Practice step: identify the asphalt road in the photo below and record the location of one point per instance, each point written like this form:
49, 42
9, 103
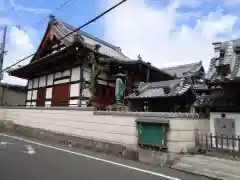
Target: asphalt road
28, 160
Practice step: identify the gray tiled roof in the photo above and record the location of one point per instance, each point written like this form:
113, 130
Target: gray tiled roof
226, 53
61, 29
157, 89
215, 98
186, 68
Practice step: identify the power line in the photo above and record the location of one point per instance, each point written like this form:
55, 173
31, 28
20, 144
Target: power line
77, 29
61, 7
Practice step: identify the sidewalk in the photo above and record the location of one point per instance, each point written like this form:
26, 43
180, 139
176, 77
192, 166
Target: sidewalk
213, 167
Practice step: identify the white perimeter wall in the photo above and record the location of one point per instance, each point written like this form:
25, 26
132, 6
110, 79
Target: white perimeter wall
181, 136
115, 129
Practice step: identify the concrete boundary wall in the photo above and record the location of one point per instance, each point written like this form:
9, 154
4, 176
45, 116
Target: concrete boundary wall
112, 127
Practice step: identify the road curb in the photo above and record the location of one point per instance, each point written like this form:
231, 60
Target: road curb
197, 173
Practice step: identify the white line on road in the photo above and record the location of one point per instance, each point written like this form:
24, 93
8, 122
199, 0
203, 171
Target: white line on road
94, 158
30, 149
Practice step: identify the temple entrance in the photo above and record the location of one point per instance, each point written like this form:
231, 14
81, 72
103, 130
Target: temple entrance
41, 97
61, 95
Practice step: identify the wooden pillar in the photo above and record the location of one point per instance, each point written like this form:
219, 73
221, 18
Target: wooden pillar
148, 71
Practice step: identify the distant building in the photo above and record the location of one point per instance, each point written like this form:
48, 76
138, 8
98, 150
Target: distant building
176, 95
14, 95
224, 73
165, 96
195, 71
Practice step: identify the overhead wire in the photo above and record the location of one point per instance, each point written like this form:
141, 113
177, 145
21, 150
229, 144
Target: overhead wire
62, 7
77, 29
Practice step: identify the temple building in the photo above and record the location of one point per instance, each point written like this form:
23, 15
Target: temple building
80, 69
176, 95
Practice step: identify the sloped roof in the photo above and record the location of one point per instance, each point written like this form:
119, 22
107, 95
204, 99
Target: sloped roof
161, 89
225, 53
186, 68
217, 98
61, 29
212, 70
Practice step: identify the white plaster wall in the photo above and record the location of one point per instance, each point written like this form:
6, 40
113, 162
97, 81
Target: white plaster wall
29, 95
62, 81
83, 103
49, 93
42, 81
47, 103
66, 72
115, 129
50, 79
35, 82
58, 75
34, 94
73, 102
181, 135
62, 74
75, 76
74, 90
30, 84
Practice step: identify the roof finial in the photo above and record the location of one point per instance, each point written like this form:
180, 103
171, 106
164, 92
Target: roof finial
139, 57
97, 47
52, 18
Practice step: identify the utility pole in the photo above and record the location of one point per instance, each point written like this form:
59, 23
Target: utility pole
2, 51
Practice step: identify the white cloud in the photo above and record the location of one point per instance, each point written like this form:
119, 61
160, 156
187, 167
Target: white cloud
19, 7
153, 32
34, 10
5, 21
18, 46
190, 3
231, 2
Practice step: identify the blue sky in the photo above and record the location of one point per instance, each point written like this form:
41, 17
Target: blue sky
163, 32
76, 13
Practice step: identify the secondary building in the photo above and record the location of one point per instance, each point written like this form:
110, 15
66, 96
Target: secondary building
177, 95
